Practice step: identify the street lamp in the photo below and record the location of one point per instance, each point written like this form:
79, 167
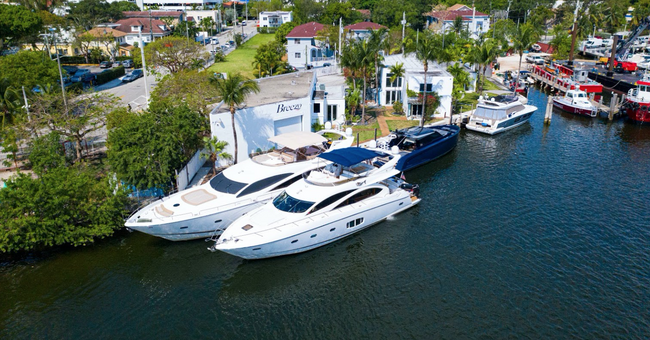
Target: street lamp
58, 62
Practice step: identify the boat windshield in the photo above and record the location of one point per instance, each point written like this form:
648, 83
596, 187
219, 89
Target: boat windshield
287, 203
490, 113
221, 183
580, 95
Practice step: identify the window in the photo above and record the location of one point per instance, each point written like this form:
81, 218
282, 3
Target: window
316, 107
393, 96
221, 183
396, 83
331, 200
296, 41
331, 112
297, 55
287, 203
262, 184
354, 223
358, 197
288, 182
429, 87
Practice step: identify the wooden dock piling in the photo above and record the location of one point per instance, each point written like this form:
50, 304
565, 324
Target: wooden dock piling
549, 110
612, 106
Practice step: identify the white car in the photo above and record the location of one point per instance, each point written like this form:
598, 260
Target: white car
214, 41
645, 64
535, 59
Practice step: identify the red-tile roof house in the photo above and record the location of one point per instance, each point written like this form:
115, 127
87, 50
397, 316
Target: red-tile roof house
476, 22
361, 30
304, 50
133, 26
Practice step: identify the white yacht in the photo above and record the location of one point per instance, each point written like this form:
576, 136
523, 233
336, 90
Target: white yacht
356, 191
498, 114
206, 210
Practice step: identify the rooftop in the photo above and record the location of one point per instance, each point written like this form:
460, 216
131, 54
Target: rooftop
125, 25
307, 30
364, 25
334, 86
414, 65
278, 89
154, 14
99, 32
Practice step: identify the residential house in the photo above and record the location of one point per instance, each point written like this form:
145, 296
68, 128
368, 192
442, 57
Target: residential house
474, 21
175, 5
438, 80
174, 16
110, 41
274, 19
304, 50
361, 30
133, 27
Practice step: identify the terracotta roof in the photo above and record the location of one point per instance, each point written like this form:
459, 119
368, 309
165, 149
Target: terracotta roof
125, 25
446, 15
103, 31
364, 12
154, 14
457, 7
364, 25
229, 3
307, 30
470, 13
545, 48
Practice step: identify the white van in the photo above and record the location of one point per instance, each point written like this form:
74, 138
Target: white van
214, 41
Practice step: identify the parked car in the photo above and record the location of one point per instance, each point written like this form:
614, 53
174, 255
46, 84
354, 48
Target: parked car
243, 23
326, 64
535, 59
225, 47
77, 77
214, 41
117, 63
87, 78
127, 63
70, 69
105, 64
133, 75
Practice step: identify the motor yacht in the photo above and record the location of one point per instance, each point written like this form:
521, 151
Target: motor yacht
357, 190
498, 114
420, 145
206, 210
576, 101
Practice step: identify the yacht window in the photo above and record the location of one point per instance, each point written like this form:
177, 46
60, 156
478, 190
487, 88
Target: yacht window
429, 138
513, 109
331, 200
288, 182
569, 94
580, 95
221, 183
489, 113
262, 184
287, 203
358, 197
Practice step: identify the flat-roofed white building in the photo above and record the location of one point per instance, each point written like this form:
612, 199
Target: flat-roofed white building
274, 19
175, 5
285, 103
438, 80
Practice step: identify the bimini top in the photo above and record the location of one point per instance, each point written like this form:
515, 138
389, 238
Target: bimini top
349, 156
298, 139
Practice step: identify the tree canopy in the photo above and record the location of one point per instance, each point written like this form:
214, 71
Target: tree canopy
88, 13
175, 54
17, 23
29, 68
190, 87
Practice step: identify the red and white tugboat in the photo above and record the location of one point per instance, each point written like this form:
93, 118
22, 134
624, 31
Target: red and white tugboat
576, 101
637, 102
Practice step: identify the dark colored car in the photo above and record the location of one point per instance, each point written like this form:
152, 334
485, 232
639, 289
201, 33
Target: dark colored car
70, 69
127, 63
88, 77
105, 64
133, 75
327, 64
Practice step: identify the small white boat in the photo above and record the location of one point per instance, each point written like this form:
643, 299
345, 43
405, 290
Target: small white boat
206, 210
576, 101
357, 191
498, 114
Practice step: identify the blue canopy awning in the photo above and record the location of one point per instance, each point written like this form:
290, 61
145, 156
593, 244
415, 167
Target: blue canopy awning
349, 156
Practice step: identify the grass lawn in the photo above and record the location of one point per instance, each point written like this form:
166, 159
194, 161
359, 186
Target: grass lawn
241, 59
366, 132
470, 99
401, 124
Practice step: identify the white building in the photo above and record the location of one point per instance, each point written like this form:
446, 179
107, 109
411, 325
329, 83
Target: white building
438, 80
285, 103
132, 27
175, 5
274, 19
304, 50
361, 30
474, 21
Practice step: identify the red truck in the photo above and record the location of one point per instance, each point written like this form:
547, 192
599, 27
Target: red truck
623, 66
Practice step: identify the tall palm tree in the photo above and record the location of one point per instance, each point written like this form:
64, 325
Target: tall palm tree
482, 54
397, 71
457, 26
461, 81
525, 36
378, 42
429, 49
9, 101
350, 62
214, 150
233, 92
365, 55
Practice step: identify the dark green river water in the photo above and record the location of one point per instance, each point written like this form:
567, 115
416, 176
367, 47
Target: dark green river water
540, 233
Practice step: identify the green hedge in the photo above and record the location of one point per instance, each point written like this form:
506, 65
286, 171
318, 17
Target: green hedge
109, 75
264, 30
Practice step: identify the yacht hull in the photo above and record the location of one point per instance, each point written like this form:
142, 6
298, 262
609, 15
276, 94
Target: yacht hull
330, 227
587, 112
637, 112
504, 125
192, 228
430, 152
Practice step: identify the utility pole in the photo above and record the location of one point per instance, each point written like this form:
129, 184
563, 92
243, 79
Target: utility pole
144, 69
150, 26
403, 22
574, 34
58, 62
340, 33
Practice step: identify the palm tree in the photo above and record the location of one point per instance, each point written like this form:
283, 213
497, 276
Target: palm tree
365, 56
482, 54
524, 38
233, 92
427, 50
9, 100
378, 42
461, 81
457, 25
350, 61
214, 151
397, 72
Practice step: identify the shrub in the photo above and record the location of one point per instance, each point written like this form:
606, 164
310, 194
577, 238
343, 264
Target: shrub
397, 106
109, 75
316, 126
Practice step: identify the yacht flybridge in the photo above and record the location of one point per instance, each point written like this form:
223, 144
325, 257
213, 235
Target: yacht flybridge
356, 191
498, 114
206, 210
